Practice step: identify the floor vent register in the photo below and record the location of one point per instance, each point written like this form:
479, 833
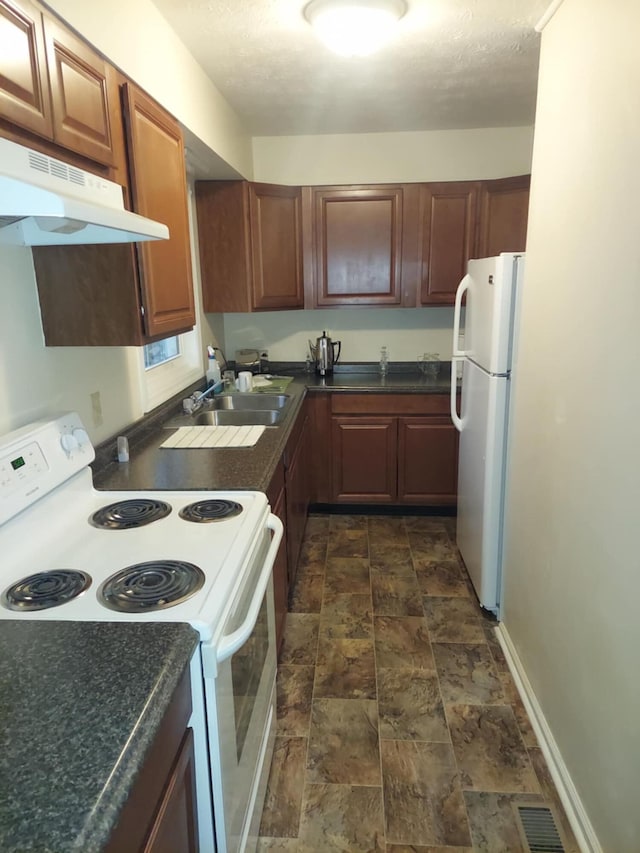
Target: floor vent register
538, 829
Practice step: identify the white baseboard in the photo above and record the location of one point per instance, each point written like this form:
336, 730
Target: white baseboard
576, 814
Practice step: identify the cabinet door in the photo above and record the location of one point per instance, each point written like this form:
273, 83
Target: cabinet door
276, 246
504, 207
277, 499
364, 459
159, 191
357, 245
223, 241
427, 461
24, 85
175, 827
83, 91
297, 478
448, 238
319, 409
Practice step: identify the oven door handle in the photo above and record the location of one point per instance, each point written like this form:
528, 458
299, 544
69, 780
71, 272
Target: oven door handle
231, 643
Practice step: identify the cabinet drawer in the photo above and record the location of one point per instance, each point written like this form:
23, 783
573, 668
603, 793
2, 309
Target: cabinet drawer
390, 404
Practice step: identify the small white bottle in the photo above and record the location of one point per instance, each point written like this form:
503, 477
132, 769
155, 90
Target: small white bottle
384, 362
213, 371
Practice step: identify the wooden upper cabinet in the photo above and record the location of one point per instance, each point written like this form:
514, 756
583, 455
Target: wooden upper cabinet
464, 220
250, 237
276, 246
159, 191
448, 215
83, 92
24, 85
504, 207
127, 294
363, 241
52, 84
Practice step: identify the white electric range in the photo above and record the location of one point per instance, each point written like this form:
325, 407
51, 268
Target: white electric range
71, 552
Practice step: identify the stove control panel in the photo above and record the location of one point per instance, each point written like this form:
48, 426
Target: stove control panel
37, 458
27, 464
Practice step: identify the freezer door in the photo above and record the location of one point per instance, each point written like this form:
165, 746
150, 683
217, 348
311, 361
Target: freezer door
489, 311
481, 473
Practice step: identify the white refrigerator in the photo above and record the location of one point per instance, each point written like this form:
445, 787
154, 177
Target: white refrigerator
492, 289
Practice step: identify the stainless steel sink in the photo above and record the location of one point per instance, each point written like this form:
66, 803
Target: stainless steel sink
246, 417
235, 410
227, 417
247, 402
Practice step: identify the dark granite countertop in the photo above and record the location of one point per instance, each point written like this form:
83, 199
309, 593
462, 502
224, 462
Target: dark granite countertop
80, 704
251, 468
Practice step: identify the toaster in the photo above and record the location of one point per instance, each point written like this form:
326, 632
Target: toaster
248, 359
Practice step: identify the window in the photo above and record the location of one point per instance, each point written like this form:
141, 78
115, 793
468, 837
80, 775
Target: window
168, 366
161, 351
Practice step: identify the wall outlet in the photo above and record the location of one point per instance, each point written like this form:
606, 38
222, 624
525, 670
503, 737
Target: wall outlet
96, 409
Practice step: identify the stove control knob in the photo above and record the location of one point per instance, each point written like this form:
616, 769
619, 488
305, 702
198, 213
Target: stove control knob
81, 436
69, 442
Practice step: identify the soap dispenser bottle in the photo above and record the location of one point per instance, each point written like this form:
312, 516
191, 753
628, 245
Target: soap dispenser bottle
213, 369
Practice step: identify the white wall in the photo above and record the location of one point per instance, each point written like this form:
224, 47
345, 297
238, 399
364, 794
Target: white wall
572, 564
37, 381
406, 332
137, 39
437, 155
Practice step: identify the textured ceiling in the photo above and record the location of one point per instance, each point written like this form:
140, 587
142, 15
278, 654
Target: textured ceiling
453, 64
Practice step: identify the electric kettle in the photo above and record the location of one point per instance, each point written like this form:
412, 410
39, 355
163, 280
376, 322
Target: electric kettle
324, 355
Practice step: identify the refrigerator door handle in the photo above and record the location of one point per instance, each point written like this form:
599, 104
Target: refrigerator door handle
460, 292
457, 421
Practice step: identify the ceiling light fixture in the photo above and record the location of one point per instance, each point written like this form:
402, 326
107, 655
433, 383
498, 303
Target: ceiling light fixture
354, 27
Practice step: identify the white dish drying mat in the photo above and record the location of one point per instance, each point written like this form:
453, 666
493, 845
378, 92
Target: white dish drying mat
213, 436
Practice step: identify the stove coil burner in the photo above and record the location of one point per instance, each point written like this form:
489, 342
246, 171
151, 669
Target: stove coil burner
123, 515
210, 510
45, 589
145, 587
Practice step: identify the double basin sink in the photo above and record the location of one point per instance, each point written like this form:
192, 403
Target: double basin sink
236, 410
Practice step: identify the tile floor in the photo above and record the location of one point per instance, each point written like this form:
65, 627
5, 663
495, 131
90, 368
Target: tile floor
399, 726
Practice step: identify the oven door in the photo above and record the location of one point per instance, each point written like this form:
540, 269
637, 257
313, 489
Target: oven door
240, 672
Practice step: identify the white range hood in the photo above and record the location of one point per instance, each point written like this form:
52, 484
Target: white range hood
46, 202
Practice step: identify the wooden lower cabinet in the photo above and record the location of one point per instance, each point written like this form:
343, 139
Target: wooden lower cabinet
393, 449
277, 499
174, 829
159, 815
364, 459
289, 495
427, 461
298, 489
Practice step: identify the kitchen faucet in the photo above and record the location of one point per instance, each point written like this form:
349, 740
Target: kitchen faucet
192, 404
